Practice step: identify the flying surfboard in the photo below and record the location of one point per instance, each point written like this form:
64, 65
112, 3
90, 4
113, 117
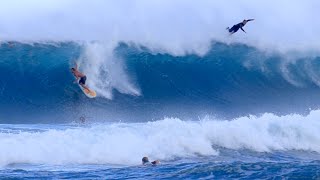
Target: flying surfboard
89, 94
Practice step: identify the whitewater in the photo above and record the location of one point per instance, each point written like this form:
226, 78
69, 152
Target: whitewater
171, 84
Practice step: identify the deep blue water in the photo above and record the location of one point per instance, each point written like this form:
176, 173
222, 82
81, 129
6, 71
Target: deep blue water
229, 81
174, 170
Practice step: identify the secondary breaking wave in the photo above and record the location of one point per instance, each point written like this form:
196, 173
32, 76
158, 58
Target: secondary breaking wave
167, 139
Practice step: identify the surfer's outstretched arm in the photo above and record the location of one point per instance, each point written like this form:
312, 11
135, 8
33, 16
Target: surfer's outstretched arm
243, 30
250, 19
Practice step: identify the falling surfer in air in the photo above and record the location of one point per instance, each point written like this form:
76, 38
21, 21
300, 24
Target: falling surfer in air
238, 26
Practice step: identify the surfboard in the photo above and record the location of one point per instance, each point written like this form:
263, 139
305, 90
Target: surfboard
89, 94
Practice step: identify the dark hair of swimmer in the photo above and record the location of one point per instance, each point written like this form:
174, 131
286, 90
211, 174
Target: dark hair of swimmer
145, 160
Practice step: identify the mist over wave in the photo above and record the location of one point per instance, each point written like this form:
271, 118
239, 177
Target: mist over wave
177, 27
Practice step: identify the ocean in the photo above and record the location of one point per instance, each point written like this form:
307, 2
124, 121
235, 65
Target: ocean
171, 85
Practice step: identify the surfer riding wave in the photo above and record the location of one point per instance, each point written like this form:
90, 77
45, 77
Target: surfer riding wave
80, 75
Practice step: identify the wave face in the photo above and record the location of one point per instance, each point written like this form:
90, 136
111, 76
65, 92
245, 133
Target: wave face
137, 84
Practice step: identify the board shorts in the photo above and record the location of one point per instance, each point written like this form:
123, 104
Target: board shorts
234, 28
83, 80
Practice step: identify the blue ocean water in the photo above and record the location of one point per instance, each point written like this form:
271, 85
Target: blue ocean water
234, 112
111, 151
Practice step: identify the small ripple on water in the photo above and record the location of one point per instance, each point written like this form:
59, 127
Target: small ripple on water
173, 170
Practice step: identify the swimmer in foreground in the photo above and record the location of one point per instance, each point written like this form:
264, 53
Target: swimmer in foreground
145, 161
238, 26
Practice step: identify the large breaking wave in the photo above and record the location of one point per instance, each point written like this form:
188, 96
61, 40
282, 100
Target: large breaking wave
137, 84
153, 59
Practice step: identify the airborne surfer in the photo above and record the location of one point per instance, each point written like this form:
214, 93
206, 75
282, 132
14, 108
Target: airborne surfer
238, 26
80, 75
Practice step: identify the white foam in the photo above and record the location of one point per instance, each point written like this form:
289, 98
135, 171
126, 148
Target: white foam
165, 139
104, 71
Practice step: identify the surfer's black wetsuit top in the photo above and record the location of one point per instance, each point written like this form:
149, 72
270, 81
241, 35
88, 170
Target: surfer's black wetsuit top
236, 27
83, 80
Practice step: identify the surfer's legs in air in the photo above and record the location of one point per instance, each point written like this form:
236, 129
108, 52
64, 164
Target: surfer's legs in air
82, 82
234, 29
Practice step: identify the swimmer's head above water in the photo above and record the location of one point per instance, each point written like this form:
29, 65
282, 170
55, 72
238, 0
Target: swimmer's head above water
145, 161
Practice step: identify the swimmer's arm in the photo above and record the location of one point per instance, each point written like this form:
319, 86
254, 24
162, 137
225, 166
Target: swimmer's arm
243, 30
250, 19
